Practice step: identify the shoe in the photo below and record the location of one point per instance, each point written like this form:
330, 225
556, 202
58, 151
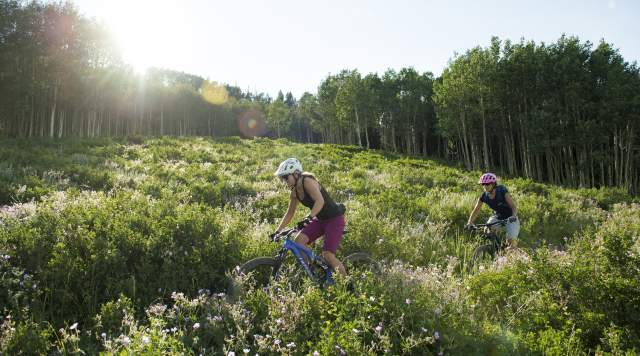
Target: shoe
329, 282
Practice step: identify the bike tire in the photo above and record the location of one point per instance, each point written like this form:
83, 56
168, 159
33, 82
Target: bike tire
482, 253
255, 273
361, 262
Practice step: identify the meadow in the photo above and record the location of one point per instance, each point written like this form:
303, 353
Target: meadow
125, 246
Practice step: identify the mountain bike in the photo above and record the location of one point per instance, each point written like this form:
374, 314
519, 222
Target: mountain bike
494, 243
260, 272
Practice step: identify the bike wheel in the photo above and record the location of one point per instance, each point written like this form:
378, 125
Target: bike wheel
256, 273
482, 253
359, 264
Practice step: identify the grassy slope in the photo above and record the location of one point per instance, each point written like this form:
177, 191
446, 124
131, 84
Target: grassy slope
92, 219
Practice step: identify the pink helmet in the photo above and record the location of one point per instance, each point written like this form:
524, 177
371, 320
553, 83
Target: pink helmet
488, 178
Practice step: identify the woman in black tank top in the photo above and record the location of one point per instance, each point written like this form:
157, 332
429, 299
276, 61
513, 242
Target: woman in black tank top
325, 218
497, 197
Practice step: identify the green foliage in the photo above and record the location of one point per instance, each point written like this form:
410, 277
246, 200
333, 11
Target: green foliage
541, 100
562, 112
24, 338
564, 301
134, 241
112, 314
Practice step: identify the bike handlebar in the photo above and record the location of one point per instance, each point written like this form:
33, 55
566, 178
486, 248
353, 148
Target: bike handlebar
275, 237
497, 222
283, 234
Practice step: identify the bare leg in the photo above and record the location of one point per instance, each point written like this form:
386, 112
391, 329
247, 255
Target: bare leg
302, 239
335, 263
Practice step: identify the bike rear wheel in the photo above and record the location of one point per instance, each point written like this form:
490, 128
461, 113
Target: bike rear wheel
256, 273
360, 263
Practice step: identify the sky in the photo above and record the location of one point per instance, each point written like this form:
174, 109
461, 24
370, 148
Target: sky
292, 45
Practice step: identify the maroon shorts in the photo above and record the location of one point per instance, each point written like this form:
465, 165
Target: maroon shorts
331, 228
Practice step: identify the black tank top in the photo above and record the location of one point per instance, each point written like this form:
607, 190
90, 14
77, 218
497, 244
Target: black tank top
329, 210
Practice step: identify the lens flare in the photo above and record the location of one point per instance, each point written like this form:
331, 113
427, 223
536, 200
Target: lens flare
251, 123
214, 93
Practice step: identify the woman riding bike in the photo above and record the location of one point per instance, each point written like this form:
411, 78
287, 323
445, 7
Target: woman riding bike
497, 197
326, 217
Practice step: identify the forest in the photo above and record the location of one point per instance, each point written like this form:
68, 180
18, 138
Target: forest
565, 112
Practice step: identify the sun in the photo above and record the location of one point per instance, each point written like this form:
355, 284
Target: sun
149, 33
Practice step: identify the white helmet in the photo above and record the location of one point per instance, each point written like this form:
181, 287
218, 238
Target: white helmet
288, 166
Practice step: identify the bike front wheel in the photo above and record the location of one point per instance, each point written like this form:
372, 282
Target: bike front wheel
483, 253
256, 273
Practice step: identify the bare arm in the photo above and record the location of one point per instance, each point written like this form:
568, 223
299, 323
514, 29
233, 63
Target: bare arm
286, 219
312, 188
475, 212
512, 204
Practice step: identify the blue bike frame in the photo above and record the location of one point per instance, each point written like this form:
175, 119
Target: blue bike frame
299, 252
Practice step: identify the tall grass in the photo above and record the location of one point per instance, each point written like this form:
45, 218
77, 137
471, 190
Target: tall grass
125, 246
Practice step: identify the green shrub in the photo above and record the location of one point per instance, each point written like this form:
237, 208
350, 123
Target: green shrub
135, 237
24, 338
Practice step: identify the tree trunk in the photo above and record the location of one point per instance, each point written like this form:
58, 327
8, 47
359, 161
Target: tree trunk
485, 147
32, 116
366, 135
629, 163
161, 117
63, 116
465, 142
424, 143
393, 136
53, 109
358, 135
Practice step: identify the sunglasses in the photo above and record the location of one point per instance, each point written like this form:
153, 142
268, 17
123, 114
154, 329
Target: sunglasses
285, 177
485, 184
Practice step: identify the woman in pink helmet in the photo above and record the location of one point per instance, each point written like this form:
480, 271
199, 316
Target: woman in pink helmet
497, 197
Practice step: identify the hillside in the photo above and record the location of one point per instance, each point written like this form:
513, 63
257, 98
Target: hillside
122, 245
